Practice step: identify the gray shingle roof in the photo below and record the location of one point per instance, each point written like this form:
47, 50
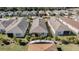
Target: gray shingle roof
56, 24
23, 25
38, 26
6, 23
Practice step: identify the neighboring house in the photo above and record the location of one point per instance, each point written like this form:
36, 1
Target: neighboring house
38, 28
18, 28
41, 13
17, 13
0, 15
57, 28
3, 14
4, 23
2, 29
42, 45
32, 13
73, 25
14, 27
10, 13
24, 13
75, 17
56, 12
49, 13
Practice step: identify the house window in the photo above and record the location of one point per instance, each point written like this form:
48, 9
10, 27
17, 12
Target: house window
66, 32
2, 30
18, 34
60, 33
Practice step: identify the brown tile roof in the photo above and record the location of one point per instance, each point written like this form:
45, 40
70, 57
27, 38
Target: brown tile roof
71, 22
42, 47
56, 24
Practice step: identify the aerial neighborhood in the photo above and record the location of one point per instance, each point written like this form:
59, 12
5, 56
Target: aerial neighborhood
39, 28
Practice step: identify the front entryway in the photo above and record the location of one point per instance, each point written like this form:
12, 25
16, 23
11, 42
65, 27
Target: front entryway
10, 34
66, 33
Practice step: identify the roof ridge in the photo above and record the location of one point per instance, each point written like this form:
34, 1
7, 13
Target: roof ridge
13, 25
23, 25
41, 23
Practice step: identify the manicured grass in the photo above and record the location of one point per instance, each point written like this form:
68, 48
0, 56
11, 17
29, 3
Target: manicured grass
13, 47
65, 37
7, 17
70, 47
17, 47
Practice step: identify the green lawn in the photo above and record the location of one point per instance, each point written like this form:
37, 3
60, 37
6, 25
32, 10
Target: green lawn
70, 47
65, 37
13, 47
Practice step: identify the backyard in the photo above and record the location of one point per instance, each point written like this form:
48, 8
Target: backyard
68, 43
70, 47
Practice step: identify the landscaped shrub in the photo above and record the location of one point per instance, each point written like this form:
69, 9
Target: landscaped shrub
36, 38
28, 38
22, 42
32, 38
6, 42
2, 44
57, 38
65, 42
48, 38
76, 41
59, 49
72, 39
16, 40
1, 37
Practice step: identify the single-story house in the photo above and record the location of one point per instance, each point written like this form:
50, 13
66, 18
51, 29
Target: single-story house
38, 28
41, 13
2, 28
57, 28
17, 13
49, 13
3, 14
75, 17
18, 28
4, 23
10, 13
32, 13
72, 24
42, 45
24, 13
